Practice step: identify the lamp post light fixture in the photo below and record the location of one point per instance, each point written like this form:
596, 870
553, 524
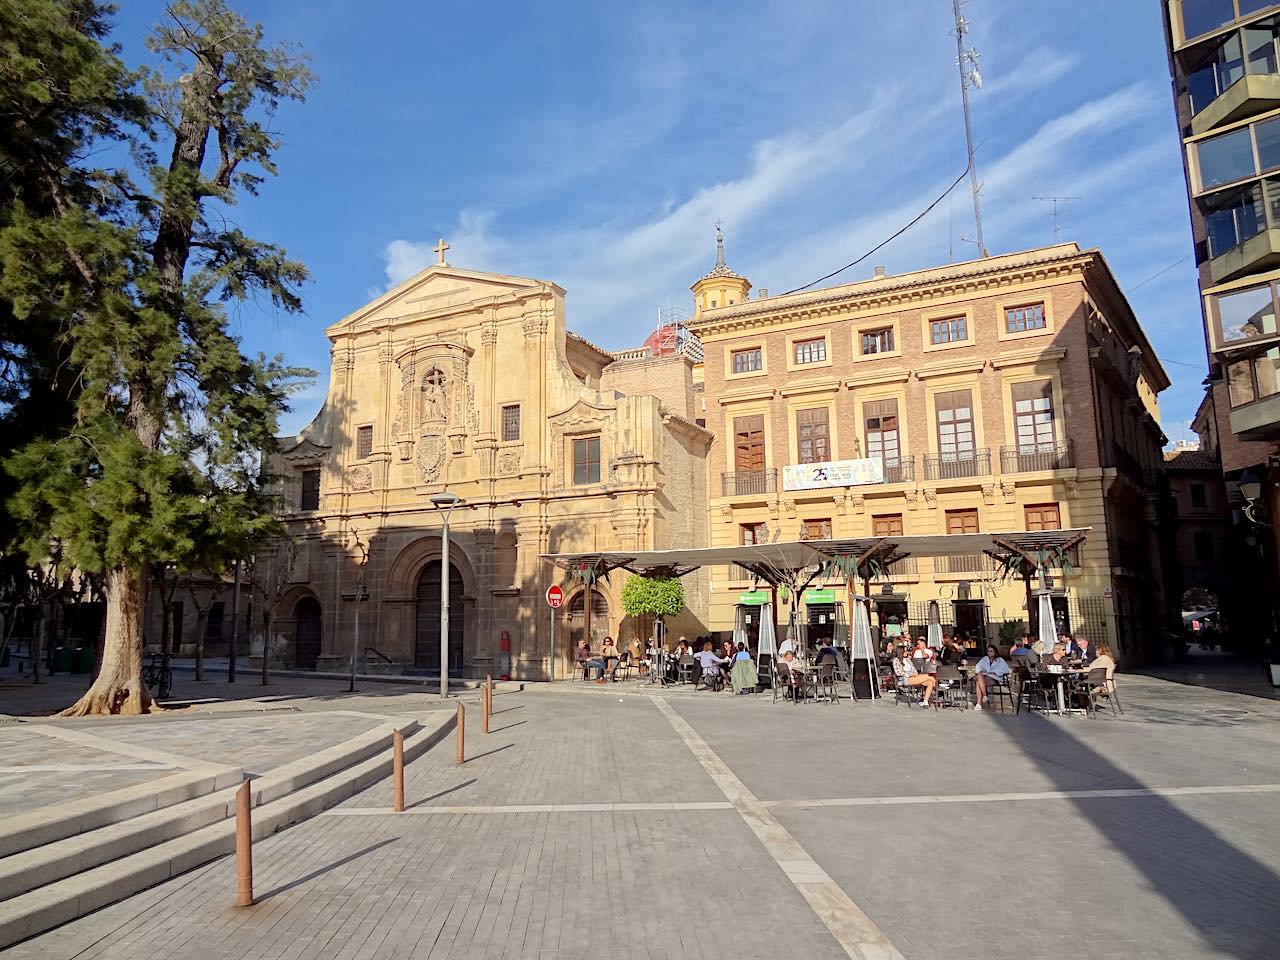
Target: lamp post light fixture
1251, 490
445, 502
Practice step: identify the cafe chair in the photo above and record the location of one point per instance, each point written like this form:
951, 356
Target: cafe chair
826, 680
1030, 691
1001, 690
955, 693
624, 669
685, 668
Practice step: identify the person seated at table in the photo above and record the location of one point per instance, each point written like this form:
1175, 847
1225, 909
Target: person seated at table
743, 674
1081, 649
923, 651
787, 644
582, 658
991, 669
594, 662
828, 649
907, 675
1058, 657
953, 650
609, 659
1104, 659
1022, 648
710, 662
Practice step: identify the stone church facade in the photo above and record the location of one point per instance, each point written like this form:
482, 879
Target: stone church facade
469, 382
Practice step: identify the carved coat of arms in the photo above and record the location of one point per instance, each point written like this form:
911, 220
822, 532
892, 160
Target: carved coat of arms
430, 456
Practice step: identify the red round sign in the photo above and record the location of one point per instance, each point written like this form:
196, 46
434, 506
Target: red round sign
555, 596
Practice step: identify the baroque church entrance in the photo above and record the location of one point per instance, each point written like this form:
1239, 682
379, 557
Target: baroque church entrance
426, 650
306, 636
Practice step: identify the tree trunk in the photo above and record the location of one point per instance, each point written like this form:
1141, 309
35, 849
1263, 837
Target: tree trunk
119, 688
202, 624
41, 631
266, 645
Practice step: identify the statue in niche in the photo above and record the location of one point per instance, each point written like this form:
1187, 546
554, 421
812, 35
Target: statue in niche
435, 403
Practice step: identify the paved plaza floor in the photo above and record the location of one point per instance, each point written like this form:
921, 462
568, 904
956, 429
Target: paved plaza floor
613, 822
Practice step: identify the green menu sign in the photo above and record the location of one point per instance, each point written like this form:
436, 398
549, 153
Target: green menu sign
754, 598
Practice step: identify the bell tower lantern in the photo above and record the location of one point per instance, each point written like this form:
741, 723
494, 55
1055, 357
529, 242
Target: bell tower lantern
721, 287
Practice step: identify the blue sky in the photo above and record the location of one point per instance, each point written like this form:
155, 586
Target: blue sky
596, 144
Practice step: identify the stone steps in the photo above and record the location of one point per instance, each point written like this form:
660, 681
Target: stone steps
58, 881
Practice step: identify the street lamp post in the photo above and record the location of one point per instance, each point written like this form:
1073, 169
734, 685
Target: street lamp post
445, 503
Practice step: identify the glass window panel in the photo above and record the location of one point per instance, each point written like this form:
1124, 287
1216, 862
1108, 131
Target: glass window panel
1260, 47
1268, 134
1202, 87
1240, 383
1201, 16
1253, 6
1247, 314
1230, 62
1225, 158
1232, 217
1267, 373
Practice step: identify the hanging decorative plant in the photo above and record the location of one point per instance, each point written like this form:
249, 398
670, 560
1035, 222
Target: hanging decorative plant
845, 567
586, 574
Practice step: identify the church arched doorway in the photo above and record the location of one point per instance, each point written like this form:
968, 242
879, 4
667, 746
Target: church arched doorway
306, 633
426, 651
577, 620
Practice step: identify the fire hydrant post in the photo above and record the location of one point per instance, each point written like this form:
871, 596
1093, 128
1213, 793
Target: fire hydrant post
462, 736
244, 848
397, 767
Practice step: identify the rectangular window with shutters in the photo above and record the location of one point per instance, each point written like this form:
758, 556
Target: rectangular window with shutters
880, 422
887, 525
810, 351
750, 360
586, 460
962, 521
1033, 417
1043, 516
1023, 318
949, 330
310, 499
879, 340
753, 533
511, 422
955, 425
817, 530
364, 441
748, 444
812, 436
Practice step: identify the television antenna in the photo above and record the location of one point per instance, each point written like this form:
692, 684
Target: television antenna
1057, 218
970, 76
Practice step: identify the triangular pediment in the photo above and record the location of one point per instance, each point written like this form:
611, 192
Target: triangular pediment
440, 290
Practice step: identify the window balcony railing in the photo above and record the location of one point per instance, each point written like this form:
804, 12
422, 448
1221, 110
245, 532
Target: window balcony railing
965, 563
749, 483
954, 466
1029, 457
900, 470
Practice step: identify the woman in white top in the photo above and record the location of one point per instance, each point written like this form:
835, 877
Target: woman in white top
991, 669
1104, 659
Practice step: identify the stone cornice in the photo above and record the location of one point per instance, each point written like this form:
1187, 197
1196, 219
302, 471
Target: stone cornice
739, 396
798, 387
1028, 357
889, 293
877, 378
969, 365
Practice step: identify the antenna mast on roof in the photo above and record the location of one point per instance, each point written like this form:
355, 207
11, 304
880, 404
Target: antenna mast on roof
970, 76
1057, 222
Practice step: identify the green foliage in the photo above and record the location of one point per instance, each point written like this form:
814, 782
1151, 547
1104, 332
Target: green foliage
657, 596
1011, 630
845, 567
159, 459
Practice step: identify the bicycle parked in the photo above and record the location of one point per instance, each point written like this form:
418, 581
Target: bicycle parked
157, 675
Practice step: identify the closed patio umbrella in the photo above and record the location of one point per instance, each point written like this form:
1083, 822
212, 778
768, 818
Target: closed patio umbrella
862, 647
934, 633
1048, 630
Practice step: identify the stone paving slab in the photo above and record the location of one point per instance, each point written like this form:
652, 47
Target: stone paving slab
255, 743
36, 771
560, 750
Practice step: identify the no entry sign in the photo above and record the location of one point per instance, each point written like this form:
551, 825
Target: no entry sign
555, 596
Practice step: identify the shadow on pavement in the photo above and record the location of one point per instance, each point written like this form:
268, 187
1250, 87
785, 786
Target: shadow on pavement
306, 878
1227, 672
442, 793
1231, 898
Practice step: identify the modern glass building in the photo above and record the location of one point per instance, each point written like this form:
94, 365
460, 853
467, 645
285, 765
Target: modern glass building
1224, 56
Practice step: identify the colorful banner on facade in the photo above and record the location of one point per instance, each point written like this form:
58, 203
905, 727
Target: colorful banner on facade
836, 473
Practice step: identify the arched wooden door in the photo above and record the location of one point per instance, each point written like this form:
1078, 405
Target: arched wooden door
306, 635
577, 621
426, 651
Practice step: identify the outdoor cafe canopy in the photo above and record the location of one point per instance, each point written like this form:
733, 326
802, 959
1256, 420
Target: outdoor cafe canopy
781, 564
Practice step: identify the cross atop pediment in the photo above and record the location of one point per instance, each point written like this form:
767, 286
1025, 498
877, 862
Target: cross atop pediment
439, 250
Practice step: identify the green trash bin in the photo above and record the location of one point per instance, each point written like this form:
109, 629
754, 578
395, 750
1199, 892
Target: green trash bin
85, 657
62, 659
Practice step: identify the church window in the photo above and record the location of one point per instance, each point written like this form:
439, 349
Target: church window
748, 361
364, 441
511, 421
310, 499
586, 460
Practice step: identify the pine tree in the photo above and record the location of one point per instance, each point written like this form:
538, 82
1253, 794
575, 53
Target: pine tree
161, 463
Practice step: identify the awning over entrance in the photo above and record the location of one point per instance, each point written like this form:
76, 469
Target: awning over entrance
780, 563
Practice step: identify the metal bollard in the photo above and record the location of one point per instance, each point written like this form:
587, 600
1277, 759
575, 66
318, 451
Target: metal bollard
244, 848
397, 769
462, 736
486, 698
